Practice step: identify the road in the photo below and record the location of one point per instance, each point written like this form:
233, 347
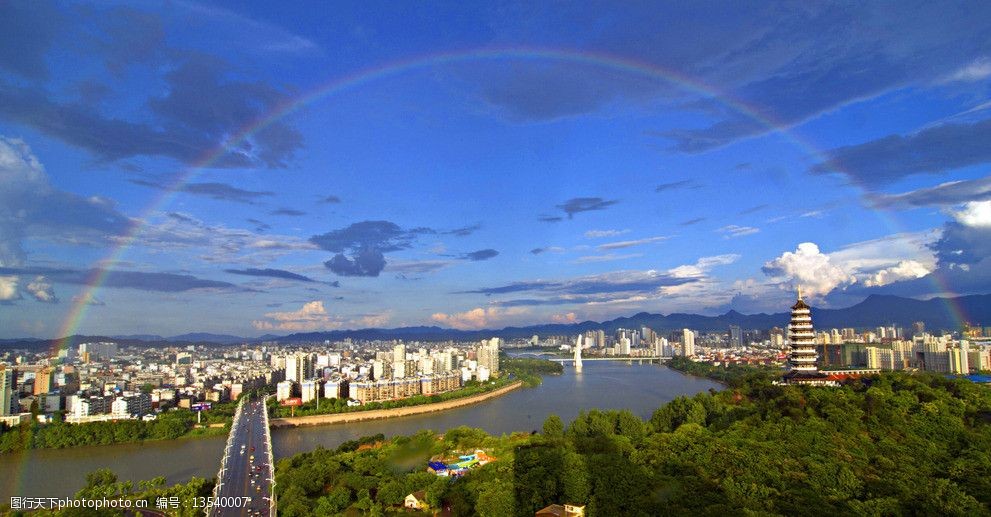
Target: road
247, 469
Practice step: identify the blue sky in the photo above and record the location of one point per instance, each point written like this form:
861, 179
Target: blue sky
564, 162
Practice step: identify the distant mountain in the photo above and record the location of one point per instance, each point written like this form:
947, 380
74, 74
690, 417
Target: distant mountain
875, 310
198, 337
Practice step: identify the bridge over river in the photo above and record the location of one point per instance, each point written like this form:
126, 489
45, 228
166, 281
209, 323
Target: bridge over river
246, 481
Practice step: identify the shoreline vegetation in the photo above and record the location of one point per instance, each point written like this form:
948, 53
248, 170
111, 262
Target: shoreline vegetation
863, 448
379, 414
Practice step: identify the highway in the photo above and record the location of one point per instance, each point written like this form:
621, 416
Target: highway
246, 472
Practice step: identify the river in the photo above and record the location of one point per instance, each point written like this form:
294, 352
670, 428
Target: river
603, 385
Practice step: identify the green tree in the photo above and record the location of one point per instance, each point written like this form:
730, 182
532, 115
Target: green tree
553, 427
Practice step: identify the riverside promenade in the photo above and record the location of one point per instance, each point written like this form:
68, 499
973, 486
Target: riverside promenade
378, 414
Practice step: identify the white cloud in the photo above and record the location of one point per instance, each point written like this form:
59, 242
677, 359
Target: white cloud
809, 269
311, 316
564, 318
609, 257
597, 234
41, 290
8, 288
978, 70
733, 230
630, 244
975, 214
478, 318
905, 270
702, 266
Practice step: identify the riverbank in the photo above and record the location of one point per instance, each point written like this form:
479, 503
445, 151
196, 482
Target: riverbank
378, 414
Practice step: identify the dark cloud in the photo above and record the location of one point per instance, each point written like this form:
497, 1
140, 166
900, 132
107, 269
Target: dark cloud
27, 31
366, 261
271, 273
810, 59
931, 151
674, 185
534, 91
183, 218
743, 166
382, 235
585, 204
129, 36
538, 251
260, 226
288, 212
361, 246
331, 200
464, 231
950, 193
218, 191
754, 209
690, 222
606, 284
419, 266
142, 281
205, 101
480, 255
550, 219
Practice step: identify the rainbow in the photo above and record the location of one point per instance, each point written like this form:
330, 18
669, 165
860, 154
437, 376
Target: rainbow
77, 312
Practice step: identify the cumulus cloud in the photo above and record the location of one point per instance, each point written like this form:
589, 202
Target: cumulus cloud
310, 317
478, 318
975, 214
906, 269
809, 269
8, 288
30, 208
41, 289
565, 318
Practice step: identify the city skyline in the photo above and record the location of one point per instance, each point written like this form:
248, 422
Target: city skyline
190, 167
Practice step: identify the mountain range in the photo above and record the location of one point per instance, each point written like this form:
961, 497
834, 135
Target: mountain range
875, 310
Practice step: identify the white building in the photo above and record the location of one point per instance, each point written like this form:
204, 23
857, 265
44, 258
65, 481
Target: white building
687, 343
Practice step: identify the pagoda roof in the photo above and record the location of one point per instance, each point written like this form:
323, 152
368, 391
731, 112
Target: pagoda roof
800, 304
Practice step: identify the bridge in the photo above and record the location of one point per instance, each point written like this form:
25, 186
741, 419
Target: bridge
639, 360
246, 481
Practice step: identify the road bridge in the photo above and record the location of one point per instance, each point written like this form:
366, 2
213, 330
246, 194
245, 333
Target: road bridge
246, 481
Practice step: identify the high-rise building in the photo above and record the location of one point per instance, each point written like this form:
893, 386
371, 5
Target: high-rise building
6, 390
687, 343
735, 336
801, 337
43, 380
299, 367
487, 354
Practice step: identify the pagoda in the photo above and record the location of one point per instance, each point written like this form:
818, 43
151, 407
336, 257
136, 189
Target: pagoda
802, 368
